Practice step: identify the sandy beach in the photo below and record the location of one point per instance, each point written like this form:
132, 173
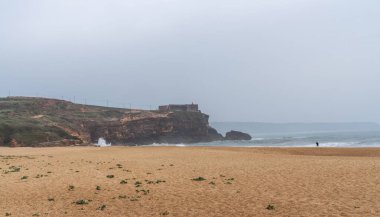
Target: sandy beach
189, 181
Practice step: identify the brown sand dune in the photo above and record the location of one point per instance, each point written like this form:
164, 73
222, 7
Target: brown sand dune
239, 181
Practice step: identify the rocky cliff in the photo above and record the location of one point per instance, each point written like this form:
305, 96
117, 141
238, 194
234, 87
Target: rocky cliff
173, 127
28, 121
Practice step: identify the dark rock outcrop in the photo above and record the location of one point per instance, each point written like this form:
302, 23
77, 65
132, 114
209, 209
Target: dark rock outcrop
214, 135
236, 135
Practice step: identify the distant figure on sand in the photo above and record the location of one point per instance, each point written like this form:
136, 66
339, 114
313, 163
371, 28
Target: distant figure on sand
317, 144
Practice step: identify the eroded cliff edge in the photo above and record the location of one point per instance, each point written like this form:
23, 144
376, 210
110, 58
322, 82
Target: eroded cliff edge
171, 127
29, 121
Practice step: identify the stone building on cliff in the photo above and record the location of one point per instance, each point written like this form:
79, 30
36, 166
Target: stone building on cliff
186, 107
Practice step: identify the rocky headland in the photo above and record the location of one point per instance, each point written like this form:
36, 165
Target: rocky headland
41, 122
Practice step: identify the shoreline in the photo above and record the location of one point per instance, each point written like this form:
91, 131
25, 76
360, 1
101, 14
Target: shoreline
307, 151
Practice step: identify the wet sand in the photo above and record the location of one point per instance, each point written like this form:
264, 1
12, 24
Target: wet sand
157, 181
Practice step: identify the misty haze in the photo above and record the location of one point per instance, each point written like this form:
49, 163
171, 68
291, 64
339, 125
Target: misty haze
266, 61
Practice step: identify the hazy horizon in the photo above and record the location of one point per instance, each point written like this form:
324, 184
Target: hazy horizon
241, 61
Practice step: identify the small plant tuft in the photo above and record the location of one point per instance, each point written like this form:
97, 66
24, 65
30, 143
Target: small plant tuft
102, 207
146, 192
270, 207
137, 184
24, 177
81, 202
198, 179
158, 181
14, 169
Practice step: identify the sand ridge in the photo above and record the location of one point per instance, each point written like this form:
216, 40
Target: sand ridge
168, 181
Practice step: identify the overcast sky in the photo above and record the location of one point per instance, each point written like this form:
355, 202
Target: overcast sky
253, 60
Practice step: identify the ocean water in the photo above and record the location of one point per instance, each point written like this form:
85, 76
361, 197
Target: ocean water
299, 135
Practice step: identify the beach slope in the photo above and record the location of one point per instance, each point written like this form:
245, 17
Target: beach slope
189, 181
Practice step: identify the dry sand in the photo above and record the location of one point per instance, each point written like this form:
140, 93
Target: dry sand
239, 181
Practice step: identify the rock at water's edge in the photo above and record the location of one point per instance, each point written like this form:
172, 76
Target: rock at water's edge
236, 135
214, 135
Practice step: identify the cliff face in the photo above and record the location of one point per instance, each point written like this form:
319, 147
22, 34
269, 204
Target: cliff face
177, 127
28, 121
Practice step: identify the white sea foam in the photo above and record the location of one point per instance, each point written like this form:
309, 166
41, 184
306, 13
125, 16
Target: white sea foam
257, 139
336, 144
336, 139
103, 143
166, 144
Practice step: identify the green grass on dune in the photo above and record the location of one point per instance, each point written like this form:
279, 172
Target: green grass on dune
35, 120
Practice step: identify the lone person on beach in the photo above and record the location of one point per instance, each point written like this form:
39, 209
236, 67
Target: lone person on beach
317, 144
